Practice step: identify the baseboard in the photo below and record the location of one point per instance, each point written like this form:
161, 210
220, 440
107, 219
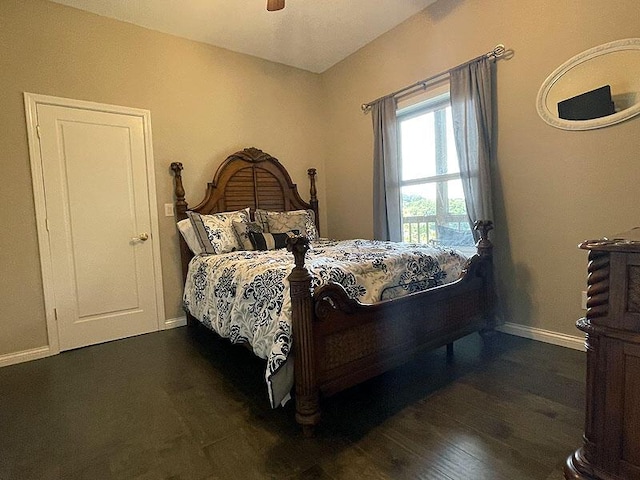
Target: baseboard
175, 322
539, 334
547, 336
24, 356
42, 352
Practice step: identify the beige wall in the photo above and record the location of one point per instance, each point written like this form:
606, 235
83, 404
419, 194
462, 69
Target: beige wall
553, 188
205, 103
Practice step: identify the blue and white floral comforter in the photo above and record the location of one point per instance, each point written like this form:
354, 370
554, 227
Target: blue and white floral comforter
244, 296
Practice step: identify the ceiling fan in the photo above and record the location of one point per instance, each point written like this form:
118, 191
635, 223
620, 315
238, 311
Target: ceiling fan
273, 5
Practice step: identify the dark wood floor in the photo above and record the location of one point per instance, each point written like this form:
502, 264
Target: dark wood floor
169, 405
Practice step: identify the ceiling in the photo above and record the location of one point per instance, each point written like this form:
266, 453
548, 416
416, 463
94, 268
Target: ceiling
308, 34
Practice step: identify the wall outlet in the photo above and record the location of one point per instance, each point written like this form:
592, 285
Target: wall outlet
584, 301
168, 210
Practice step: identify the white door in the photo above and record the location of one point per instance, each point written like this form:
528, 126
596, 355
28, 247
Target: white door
98, 221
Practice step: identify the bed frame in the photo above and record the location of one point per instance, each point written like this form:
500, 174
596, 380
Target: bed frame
339, 342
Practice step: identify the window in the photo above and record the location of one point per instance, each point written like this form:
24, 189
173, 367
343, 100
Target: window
433, 206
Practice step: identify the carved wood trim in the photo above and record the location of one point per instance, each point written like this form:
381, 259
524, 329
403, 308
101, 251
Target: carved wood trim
598, 284
180, 202
313, 195
484, 245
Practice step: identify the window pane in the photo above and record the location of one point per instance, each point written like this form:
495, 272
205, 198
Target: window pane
419, 213
417, 149
436, 213
455, 198
419, 142
419, 200
452, 223
452, 155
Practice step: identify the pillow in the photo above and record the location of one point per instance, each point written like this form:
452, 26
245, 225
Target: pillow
215, 232
301, 220
270, 241
261, 218
242, 230
187, 231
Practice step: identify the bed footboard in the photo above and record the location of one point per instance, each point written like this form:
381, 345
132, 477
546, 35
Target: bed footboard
340, 342
355, 342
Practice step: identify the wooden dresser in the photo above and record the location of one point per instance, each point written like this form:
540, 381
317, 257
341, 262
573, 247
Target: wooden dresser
611, 447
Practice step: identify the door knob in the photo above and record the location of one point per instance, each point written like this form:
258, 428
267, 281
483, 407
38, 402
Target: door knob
143, 237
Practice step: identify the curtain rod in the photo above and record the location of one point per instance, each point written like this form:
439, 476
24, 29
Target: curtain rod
497, 52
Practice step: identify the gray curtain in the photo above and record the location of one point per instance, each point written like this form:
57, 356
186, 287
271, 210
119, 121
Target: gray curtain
471, 88
387, 213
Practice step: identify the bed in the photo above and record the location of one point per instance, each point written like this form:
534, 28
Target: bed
338, 341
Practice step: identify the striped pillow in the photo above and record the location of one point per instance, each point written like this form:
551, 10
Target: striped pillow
270, 241
216, 233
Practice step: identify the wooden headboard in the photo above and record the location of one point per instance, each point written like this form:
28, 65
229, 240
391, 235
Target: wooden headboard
248, 178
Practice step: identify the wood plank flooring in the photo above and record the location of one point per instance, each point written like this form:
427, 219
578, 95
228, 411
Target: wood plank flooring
174, 405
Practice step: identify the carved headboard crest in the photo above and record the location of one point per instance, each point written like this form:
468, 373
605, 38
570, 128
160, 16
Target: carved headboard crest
253, 154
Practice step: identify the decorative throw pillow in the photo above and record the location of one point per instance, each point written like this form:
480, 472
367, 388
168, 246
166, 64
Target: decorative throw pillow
215, 232
243, 229
270, 241
301, 220
187, 231
261, 218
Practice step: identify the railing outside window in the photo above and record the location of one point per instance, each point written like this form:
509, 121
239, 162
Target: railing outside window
423, 229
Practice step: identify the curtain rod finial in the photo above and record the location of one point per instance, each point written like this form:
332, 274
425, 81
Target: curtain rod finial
365, 107
498, 50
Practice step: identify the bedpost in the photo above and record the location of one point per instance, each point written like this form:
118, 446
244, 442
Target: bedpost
306, 388
313, 195
181, 204
181, 214
484, 245
485, 251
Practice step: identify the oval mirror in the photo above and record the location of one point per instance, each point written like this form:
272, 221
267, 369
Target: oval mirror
594, 89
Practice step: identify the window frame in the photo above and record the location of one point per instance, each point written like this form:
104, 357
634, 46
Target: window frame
436, 104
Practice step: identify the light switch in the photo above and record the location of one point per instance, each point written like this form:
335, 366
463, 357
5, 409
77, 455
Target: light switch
168, 210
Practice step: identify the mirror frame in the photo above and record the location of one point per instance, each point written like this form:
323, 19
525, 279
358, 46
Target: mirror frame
552, 118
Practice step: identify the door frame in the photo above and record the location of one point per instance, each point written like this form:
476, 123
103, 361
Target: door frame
31, 102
